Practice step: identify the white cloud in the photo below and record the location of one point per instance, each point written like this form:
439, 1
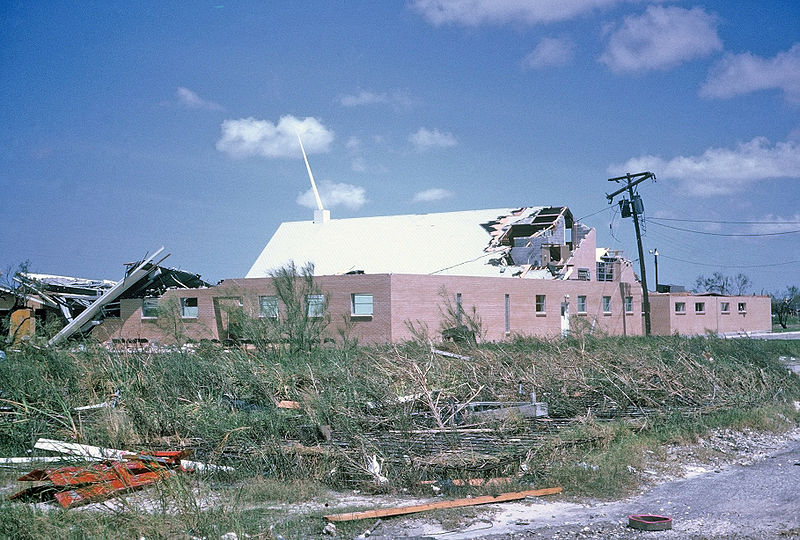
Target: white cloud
365, 97
424, 139
333, 195
549, 52
778, 224
477, 12
189, 99
738, 74
251, 137
661, 38
721, 171
433, 194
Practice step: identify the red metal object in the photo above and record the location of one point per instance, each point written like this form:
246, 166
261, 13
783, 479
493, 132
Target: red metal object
76, 485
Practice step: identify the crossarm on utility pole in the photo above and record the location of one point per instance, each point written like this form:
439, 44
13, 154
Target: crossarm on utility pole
641, 178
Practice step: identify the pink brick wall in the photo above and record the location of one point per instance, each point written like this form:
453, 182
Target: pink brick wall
398, 299
417, 298
756, 317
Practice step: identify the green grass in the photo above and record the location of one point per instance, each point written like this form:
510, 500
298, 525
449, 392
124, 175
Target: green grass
684, 387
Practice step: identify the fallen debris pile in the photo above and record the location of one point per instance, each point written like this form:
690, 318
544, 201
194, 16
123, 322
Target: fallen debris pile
98, 453
117, 472
81, 484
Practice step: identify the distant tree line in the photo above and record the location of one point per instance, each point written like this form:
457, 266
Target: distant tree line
722, 284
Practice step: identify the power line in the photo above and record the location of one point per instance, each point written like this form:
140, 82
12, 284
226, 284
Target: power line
727, 222
608, 207
724, 234
728, 265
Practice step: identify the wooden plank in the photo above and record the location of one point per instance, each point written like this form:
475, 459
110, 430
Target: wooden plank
98, 453
34, 460
456, 503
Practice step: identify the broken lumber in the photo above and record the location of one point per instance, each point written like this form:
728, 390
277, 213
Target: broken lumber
286, 404
76, 485
456, 503
28, 460
97, 453
449, 354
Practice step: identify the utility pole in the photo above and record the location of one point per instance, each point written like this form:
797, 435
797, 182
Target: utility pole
655, 259
634, 207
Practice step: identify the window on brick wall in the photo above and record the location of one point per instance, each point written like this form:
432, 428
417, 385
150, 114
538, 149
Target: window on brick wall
316, 305
583, 274
680, 307
725, 307
149, 308
699, 307
629, 304
742, 307
268, 307
508, 314
540, 303
189, 308
606, 304
361, 304
582, 304
605, 271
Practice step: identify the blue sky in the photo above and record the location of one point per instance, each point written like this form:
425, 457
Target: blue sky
127, 126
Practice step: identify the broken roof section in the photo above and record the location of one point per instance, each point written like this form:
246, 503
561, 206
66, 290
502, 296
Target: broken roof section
526, 223
470, 243
84, 301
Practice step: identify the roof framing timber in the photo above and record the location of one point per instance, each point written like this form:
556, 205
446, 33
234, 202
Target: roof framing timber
133, 277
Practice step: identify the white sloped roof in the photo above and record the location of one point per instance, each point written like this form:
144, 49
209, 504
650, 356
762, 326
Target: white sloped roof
451, 243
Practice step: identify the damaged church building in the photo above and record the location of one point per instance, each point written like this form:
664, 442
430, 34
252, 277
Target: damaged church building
531, 271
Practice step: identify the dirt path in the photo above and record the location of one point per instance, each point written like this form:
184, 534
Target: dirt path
756, 494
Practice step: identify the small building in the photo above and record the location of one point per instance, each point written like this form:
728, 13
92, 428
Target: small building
696, 314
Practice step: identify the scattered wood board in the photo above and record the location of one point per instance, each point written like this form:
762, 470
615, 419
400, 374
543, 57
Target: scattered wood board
97, 453
456, 503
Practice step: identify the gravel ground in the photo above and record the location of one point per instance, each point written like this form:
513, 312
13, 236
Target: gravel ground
730, 485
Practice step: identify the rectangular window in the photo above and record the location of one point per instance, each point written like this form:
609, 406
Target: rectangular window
605, 271
680, 307
725, 307
581, 304
361, 304
583, 274
606, 304
508, 314
742, 307
268, 307
629, 304
699, 307
189, 308
316, 305
149, 308
540, 303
